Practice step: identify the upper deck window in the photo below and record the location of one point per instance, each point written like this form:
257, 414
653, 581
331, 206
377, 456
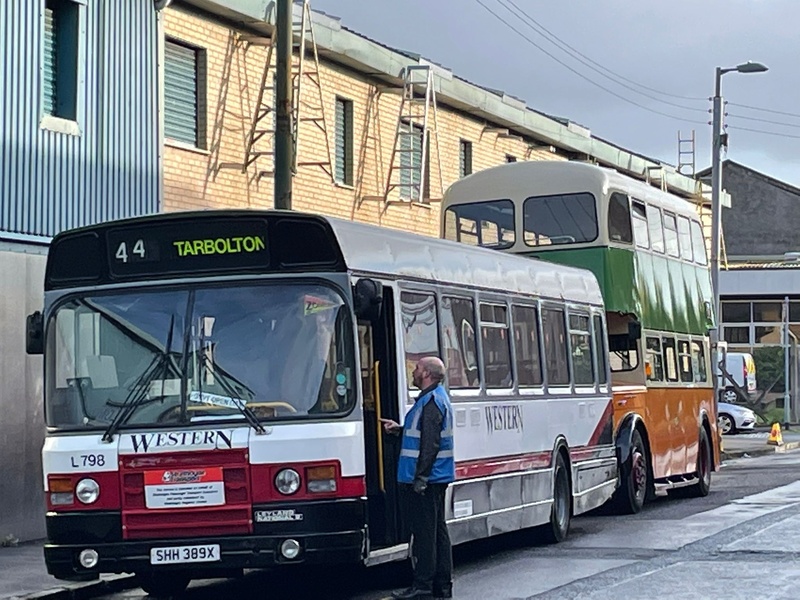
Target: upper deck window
489, 224
560, 219
619, 219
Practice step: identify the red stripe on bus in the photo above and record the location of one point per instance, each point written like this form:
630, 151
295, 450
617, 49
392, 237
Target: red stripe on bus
510, 464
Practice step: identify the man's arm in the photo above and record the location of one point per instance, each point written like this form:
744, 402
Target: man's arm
430, 437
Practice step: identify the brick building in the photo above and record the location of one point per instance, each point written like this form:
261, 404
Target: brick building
214, 58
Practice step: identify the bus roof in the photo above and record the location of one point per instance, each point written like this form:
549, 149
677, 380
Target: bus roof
330, 244
377, 250
522, 180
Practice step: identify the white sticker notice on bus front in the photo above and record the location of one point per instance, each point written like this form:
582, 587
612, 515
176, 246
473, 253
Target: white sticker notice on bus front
184, 488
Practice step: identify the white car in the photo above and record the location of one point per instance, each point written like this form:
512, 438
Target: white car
732, 418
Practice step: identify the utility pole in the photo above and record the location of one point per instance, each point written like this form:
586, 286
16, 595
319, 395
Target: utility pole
284, 140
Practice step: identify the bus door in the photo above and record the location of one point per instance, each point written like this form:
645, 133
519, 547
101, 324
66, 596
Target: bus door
376, 338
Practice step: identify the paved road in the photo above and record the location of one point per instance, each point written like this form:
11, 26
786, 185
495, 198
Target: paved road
739, 542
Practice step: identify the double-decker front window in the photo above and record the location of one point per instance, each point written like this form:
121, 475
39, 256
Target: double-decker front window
200, 354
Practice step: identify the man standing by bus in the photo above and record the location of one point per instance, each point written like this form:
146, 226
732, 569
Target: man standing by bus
425, 469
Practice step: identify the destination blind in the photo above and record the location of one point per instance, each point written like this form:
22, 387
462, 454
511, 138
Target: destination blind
188, 246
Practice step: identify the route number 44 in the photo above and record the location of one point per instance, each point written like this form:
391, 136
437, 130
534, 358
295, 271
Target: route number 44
122, 250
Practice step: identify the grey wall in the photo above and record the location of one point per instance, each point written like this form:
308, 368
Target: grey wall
764, 218
21, 411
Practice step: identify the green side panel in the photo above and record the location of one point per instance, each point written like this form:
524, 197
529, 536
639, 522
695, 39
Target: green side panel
665, 294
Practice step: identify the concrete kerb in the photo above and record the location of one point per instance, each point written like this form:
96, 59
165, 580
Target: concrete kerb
108, 584
762, 451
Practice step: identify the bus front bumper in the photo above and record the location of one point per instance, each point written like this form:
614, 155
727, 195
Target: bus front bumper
234, 553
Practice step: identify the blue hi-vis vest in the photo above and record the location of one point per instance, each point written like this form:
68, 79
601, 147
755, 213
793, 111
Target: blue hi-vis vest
444, 467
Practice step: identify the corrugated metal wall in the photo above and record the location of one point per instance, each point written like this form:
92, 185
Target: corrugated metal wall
51, 181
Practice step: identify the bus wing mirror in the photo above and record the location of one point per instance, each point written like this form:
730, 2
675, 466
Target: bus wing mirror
367, 299
34, 333
634, 330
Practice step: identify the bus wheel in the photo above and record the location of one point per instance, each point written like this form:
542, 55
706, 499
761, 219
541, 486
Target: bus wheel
700, 489
163, 585
632, 492
560, 513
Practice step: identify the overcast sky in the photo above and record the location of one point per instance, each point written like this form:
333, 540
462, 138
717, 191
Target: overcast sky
672, 47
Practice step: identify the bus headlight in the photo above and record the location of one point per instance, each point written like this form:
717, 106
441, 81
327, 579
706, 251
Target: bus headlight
87, 491
287, 481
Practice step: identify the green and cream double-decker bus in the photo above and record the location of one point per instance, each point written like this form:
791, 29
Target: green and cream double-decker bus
647, 249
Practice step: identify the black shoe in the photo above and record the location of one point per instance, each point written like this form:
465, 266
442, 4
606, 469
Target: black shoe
413, 592
441, 594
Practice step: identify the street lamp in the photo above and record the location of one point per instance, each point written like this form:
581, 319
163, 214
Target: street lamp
716, 187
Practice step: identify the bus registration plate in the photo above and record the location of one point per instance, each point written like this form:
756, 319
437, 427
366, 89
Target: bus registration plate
184, 554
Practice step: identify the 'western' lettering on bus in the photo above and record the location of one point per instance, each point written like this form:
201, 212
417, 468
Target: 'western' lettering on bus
207, 247
143, 442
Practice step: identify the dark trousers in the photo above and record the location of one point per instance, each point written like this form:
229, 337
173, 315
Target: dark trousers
431, 549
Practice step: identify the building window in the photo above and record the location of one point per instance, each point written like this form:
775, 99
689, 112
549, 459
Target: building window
510, 158
411, 137
344, 141
464, 158
60, 59
182, 94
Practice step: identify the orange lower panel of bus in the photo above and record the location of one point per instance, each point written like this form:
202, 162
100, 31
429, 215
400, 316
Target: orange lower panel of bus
672, 419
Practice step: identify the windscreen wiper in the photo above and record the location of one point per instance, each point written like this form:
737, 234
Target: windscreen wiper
239, 403
138, 395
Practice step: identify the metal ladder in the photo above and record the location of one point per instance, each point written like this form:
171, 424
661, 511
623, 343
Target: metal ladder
416, 125
686, 154
262, 128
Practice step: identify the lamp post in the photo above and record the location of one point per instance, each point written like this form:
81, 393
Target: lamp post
716, 188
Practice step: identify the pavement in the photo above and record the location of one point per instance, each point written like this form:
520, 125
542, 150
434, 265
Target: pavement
23, 574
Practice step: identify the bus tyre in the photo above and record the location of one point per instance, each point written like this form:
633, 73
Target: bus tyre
634, 481
700, 489
163, 585
561, 511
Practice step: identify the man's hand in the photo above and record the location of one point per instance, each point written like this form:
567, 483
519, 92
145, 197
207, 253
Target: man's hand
420, 486
390, 426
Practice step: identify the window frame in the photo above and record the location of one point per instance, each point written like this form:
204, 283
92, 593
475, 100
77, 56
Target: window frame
640, 217
402, 332
537, 360
656, 225
67, 114
346, 107
587, 332
200, 98
495, 304
458, 295
524, 231
562, 310
464, 158
627, 235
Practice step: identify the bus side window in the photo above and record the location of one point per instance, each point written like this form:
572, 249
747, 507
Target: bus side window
671, 234
670, 359
699, 363
580, 338
420, 328
686, 238
619, 219
656, 228
640, 230
599, 335
496, 346
685, 362
698, 244
526, 340
458, 342
555, 346
655, 361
